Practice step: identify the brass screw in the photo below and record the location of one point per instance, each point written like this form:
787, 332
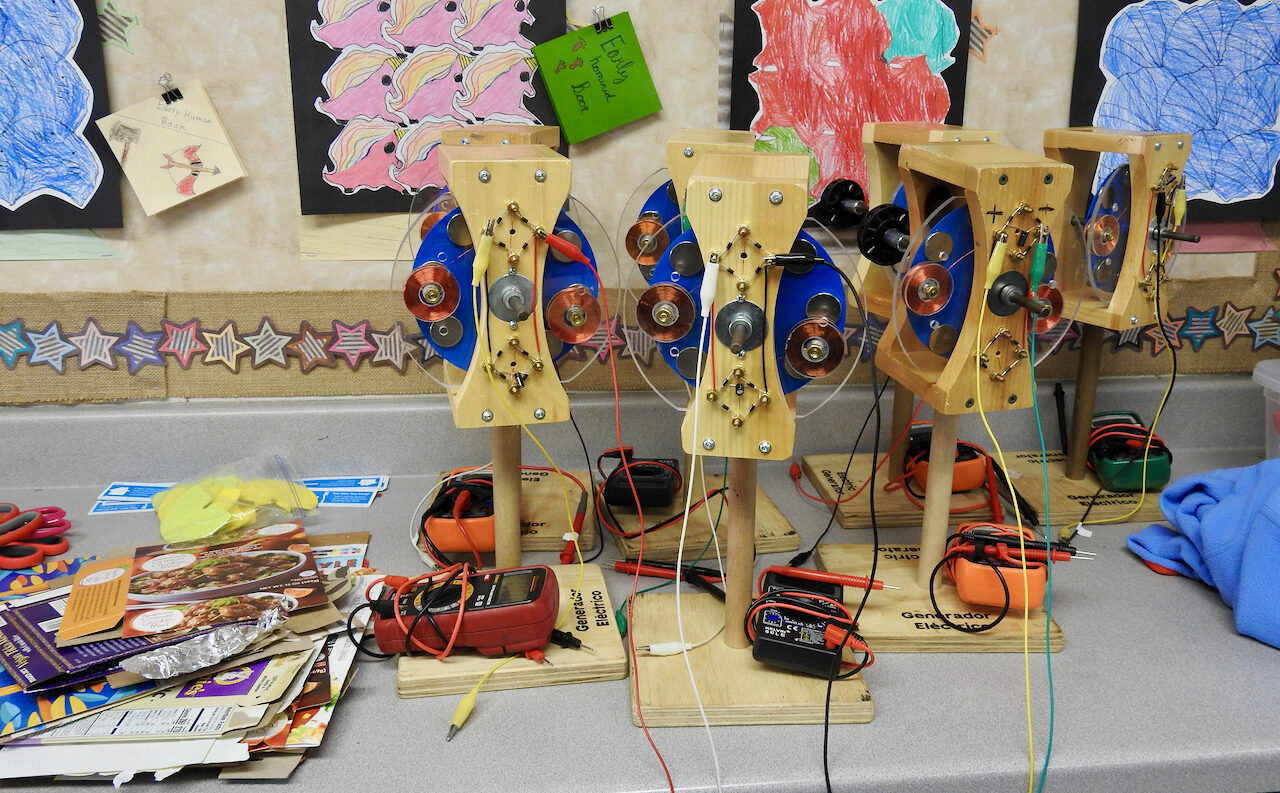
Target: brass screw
742, 286
432, 294
813, 351
664, 316
513, 207
513, 342
711, 396
515, 389
513, 259
764, 399
743, 231
738, 371
737, 421
930, 289
537, 365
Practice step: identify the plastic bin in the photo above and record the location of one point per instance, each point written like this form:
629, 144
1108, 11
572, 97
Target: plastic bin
1267, 374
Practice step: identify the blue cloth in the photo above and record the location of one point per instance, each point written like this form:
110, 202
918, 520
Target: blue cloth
1227, 534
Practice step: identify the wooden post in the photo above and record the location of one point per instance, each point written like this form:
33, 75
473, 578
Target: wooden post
937, 496
1091, 337
504, 443
741, 539
903, 406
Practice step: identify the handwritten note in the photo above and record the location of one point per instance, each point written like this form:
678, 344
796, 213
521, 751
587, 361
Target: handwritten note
172, 152
597, 78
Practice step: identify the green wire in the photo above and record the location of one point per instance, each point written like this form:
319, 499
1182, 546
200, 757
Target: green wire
1048, 591
714, 529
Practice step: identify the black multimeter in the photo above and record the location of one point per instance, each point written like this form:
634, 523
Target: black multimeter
505, 611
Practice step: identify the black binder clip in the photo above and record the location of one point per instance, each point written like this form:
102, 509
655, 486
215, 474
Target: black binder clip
602, 23
171, 94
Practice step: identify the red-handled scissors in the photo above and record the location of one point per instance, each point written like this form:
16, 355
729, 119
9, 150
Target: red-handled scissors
22, 543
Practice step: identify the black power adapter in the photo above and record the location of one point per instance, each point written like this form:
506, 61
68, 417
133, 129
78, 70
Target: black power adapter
656, 480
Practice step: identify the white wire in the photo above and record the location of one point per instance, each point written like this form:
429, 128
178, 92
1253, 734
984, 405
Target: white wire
415, 527
684, 529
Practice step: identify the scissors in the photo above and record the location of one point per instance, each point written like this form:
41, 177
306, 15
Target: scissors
22, 542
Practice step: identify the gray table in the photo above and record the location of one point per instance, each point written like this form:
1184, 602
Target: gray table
1155, 690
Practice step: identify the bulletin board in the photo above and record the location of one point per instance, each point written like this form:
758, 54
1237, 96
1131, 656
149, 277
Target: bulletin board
221, 296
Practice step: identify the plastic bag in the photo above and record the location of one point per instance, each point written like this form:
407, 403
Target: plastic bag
247, 492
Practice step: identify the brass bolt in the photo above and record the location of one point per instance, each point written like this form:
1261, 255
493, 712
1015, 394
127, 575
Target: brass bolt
575, 317
537, 365
930, 289
743, 231
738, 371
432, 294
513, 342
515, 389
711, 396
764, 399
813, 351
664, 315
514, 208
737, 421
513, 259
742, 286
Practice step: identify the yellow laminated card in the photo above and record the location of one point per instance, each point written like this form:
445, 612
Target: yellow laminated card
172, 151
97, 598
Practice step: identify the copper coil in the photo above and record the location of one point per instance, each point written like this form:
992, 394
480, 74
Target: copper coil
1054, 298
927, 288
1104, 235
428, 221
422, 283
815, 347
647, 240
665, 312
573, 315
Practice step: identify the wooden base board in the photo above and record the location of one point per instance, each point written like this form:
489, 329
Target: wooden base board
774, 533
1068, 498
735, 688
826, 472
421, 676
542, 511
903, 621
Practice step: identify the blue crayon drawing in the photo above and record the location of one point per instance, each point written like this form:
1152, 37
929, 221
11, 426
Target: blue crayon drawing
1210, 68
44, 106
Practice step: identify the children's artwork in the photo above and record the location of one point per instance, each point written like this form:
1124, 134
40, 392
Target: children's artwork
1208, 68
52, 82
807, 76
172, 151
375, 82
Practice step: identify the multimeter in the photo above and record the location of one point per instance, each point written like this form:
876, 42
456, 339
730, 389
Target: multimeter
502, 611
970, 472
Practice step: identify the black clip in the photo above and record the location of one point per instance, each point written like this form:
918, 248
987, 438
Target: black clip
602, 23
171, 93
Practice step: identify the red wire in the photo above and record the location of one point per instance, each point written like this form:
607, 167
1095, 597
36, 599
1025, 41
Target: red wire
883, 460
466, 535
635, 578
403, 589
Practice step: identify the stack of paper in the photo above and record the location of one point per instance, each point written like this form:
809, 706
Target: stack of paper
69, 708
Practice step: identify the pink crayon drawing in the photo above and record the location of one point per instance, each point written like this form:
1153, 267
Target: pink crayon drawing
186, 169
364, 155
494, 84
424, 23
358, 83
352, 23
495, 23
420, 151
425, 84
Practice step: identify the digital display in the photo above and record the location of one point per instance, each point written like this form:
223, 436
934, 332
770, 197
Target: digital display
514, 588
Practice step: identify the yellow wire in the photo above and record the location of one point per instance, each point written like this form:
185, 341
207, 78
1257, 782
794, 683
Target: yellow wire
564, 487
1017, 515
1156, 271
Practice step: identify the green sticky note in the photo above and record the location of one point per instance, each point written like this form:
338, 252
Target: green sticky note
597, 79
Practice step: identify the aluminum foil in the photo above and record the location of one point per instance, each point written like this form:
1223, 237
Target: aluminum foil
203, 651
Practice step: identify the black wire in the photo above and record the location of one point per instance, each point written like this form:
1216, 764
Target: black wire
429, 601
1003, 584
875, 532
591, 490
359, 643
1156, 273
801, 558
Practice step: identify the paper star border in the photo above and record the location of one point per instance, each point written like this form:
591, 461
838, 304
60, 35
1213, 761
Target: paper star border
273, 343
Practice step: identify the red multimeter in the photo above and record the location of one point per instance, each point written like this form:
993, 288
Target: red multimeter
505, 611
